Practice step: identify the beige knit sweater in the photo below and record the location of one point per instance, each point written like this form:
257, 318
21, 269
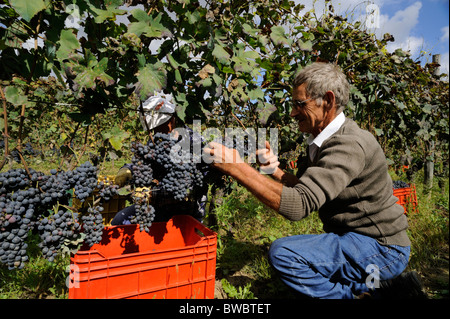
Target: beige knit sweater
348, 183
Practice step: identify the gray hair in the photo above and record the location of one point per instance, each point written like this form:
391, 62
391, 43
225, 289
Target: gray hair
321, 77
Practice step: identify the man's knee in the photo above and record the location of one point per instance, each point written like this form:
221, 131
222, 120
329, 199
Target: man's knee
279, 255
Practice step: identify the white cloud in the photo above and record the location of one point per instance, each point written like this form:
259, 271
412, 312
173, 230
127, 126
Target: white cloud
444, 36
412, 44
401, 24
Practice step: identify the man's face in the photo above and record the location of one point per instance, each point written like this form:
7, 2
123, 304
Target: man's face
309, 115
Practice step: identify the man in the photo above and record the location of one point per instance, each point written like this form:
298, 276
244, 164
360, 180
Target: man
346, 180
158, 116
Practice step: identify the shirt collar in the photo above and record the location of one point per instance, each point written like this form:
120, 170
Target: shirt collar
329, 130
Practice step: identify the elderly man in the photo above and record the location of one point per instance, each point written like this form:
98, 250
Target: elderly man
345, 179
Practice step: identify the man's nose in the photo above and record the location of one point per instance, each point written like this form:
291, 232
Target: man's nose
294, 112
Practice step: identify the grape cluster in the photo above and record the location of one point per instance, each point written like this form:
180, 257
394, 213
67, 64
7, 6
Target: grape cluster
85, 180
17, 216
399, 184
144, 212
178, 173
142, 171
33, 202
93, 225
55, 229
107, 190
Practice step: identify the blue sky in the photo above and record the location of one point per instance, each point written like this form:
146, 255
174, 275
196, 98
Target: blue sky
418, 26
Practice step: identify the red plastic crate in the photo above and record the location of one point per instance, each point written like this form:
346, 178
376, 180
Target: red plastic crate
407, 197
176, 260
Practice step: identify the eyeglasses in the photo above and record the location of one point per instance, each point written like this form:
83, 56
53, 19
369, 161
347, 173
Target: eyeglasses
299, 104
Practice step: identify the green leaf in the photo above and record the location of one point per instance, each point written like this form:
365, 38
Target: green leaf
153, 77
94, 73
378, 131
305, 46
220, 54
278, 36
68, 43
182, 103
193, 17
27, 9
256, 94
427, 108
116, 136
110, 13
15, 95
147, 25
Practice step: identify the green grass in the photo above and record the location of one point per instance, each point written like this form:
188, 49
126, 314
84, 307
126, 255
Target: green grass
38, 279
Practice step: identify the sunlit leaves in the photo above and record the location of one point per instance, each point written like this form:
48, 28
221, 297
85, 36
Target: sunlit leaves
68, 43
28, 9
147, 25
152, 77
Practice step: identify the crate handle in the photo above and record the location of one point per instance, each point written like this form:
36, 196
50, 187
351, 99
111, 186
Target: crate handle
199, 232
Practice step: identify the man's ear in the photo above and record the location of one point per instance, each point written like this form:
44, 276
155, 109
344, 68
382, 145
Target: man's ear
330, 99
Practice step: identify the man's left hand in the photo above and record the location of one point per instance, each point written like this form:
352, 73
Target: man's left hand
221, 157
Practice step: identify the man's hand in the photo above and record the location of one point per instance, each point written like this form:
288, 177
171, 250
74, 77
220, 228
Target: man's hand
229, 162
267, 160
221, 157
122, 177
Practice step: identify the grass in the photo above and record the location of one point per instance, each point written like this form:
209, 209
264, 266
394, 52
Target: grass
38, 279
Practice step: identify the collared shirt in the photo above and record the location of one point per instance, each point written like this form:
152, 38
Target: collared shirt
316, 142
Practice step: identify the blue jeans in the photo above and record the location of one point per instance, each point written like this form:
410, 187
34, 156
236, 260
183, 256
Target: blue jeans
332, 266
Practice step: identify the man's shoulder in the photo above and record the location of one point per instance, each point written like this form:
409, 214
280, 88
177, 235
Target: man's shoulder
351, 128
352, 135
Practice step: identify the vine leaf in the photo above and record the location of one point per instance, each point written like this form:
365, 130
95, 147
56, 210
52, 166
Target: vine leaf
28, 9
220, 54
147, 25
68, 42
278, 36
15, 95
116, 136
152, 77
305, 46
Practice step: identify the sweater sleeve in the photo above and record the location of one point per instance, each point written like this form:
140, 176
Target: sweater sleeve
340, 160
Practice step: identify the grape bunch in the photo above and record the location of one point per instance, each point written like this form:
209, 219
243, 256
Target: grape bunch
399, 184
93, 225
85, 180
107, 190
144, 212
33, 202
54, 230
177, 172
142, 171
17, 218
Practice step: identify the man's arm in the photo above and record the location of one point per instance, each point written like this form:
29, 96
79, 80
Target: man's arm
287, 179
269, 163
267, 190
